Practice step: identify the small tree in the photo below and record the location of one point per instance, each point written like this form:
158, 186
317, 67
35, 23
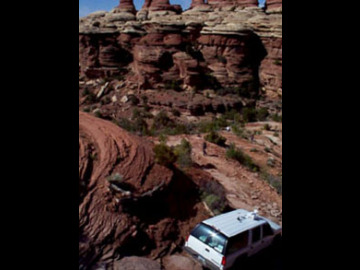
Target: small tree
164, 154
216, 138
183, 153
240, 156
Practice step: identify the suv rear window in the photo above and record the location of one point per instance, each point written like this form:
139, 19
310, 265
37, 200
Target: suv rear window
209, 236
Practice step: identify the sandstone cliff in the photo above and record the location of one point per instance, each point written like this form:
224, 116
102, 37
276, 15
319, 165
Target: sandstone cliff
205, 45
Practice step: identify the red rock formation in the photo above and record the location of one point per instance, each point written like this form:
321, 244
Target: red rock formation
127, 6
160, 5
195, 3
273, 4
247, 3
271, 66
237, 3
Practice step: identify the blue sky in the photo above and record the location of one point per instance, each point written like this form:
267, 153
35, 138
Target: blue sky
88, 6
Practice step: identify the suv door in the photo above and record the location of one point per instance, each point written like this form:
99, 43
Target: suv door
256, 237
236, 247
267, 235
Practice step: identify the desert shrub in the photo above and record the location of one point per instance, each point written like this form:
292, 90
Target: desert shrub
173, 85
232, 115
237, 154
183, 154
266, 127
98, 114
175, 112
262, 114
211, 81
213, 194
106, 100
86, 91
214, 125
162, 138
276, 134
161, 120
254, 150
133, 100
267, 149
241, 132
90, 98
164, 155
277, 62
274, 181
138, 125
249, 115
276, 118
86, 109
216, 138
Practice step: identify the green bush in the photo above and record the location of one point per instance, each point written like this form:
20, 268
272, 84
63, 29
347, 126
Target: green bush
262, 114
249, 114
138, 125
175, 112
214, 125
277, 62
237, 154
173, 85
216, 138
266, 127
90, 98
214, 195
276, 118
161, 120
183, 154
273, 180
164, 155
98, 114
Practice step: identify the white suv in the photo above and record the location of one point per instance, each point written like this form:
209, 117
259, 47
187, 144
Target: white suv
221, 241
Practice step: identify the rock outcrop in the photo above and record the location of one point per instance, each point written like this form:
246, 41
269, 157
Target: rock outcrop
127, 6
195, 3
177, 262
203, 47
233, 3
136, 263
274, 5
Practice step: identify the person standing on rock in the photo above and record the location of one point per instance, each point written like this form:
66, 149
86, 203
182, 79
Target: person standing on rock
204, 148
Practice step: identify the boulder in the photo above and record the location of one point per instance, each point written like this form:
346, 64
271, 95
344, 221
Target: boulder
136, 263
178, 262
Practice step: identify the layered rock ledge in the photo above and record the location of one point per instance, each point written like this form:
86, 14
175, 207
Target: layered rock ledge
230, 44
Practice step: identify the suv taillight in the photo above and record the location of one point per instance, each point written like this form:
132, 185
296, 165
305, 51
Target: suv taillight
187, 238
223, 261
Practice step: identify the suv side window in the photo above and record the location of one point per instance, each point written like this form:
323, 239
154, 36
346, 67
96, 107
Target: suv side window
238, 242
267, 230
256, 234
